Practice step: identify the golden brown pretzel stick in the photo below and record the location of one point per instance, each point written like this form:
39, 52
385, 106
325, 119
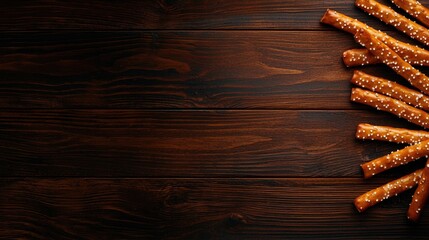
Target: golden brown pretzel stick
420, 196
347, 23
362, 56
415, 9
391, 89
359, 57
388, 104
391, 134
386, 191
353, 26
393, 60
389, 16
395, 159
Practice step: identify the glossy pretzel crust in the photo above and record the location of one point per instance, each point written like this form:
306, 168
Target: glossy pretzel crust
395, 159
391, 89
386, 191
389, 16
362, 56
393, 60
407, 51
420, 196
391, 105
415, 9
366, 131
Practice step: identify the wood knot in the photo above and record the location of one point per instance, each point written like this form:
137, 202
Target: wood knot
176, 197
235, 219
170, 2
167, 4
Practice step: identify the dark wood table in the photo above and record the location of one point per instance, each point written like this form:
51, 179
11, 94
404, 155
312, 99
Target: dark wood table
187, 120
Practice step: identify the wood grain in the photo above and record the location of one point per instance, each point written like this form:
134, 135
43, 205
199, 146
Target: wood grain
228, 69
186, 120
188, 143
199, 209
171, 14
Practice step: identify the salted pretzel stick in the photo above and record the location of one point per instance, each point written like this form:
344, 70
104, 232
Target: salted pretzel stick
391, 134
388, 104
393, 60
415, 9
353, 26
395, 159
391, 89
389, 16
388, 190
420, 196
362, 56
359, 57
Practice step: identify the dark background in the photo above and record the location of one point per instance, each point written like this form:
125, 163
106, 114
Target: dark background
186, 120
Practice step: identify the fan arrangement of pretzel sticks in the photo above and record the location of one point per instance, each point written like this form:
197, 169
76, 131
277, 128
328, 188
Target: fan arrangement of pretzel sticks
388, 96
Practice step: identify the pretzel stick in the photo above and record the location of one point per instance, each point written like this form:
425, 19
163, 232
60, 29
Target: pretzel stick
420, 196
359, 57
393, 60
362, 56
353, 26
395, 159
389, 16
388, 104
391, 134
386, 191
415, 9
391, 89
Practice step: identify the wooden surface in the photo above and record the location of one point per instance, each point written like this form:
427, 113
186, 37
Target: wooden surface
187, 120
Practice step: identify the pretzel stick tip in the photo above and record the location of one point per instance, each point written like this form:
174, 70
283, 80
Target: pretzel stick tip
358, 57
415, 9
325, 16
389, 16
345, 23
420, 196
337, 20
391, 134
393, 60
395, 159
386, 191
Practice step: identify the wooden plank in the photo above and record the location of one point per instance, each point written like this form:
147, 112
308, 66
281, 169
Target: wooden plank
227, 69
188, 143
156, 14
199, 209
